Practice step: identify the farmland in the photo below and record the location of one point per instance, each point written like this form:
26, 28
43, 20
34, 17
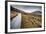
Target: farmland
31, 21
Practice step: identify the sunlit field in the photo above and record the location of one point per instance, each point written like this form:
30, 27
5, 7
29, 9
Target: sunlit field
31, 21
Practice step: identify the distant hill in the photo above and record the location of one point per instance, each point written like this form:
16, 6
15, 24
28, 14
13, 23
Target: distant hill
37, 12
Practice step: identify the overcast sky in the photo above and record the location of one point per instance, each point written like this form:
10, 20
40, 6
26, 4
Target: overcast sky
28, 9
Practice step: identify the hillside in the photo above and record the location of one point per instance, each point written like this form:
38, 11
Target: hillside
31, 21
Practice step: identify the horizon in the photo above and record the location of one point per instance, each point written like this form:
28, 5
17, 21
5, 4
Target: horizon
28, 9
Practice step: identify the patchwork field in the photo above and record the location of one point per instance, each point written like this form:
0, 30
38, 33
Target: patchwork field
31, 21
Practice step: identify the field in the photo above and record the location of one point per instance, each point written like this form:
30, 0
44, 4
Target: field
31, 21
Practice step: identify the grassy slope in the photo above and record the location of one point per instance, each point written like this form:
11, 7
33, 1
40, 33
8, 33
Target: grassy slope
31, 21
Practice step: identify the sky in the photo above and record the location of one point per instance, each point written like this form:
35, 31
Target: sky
28, 9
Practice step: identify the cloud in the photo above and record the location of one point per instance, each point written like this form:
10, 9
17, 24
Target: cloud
28, 9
